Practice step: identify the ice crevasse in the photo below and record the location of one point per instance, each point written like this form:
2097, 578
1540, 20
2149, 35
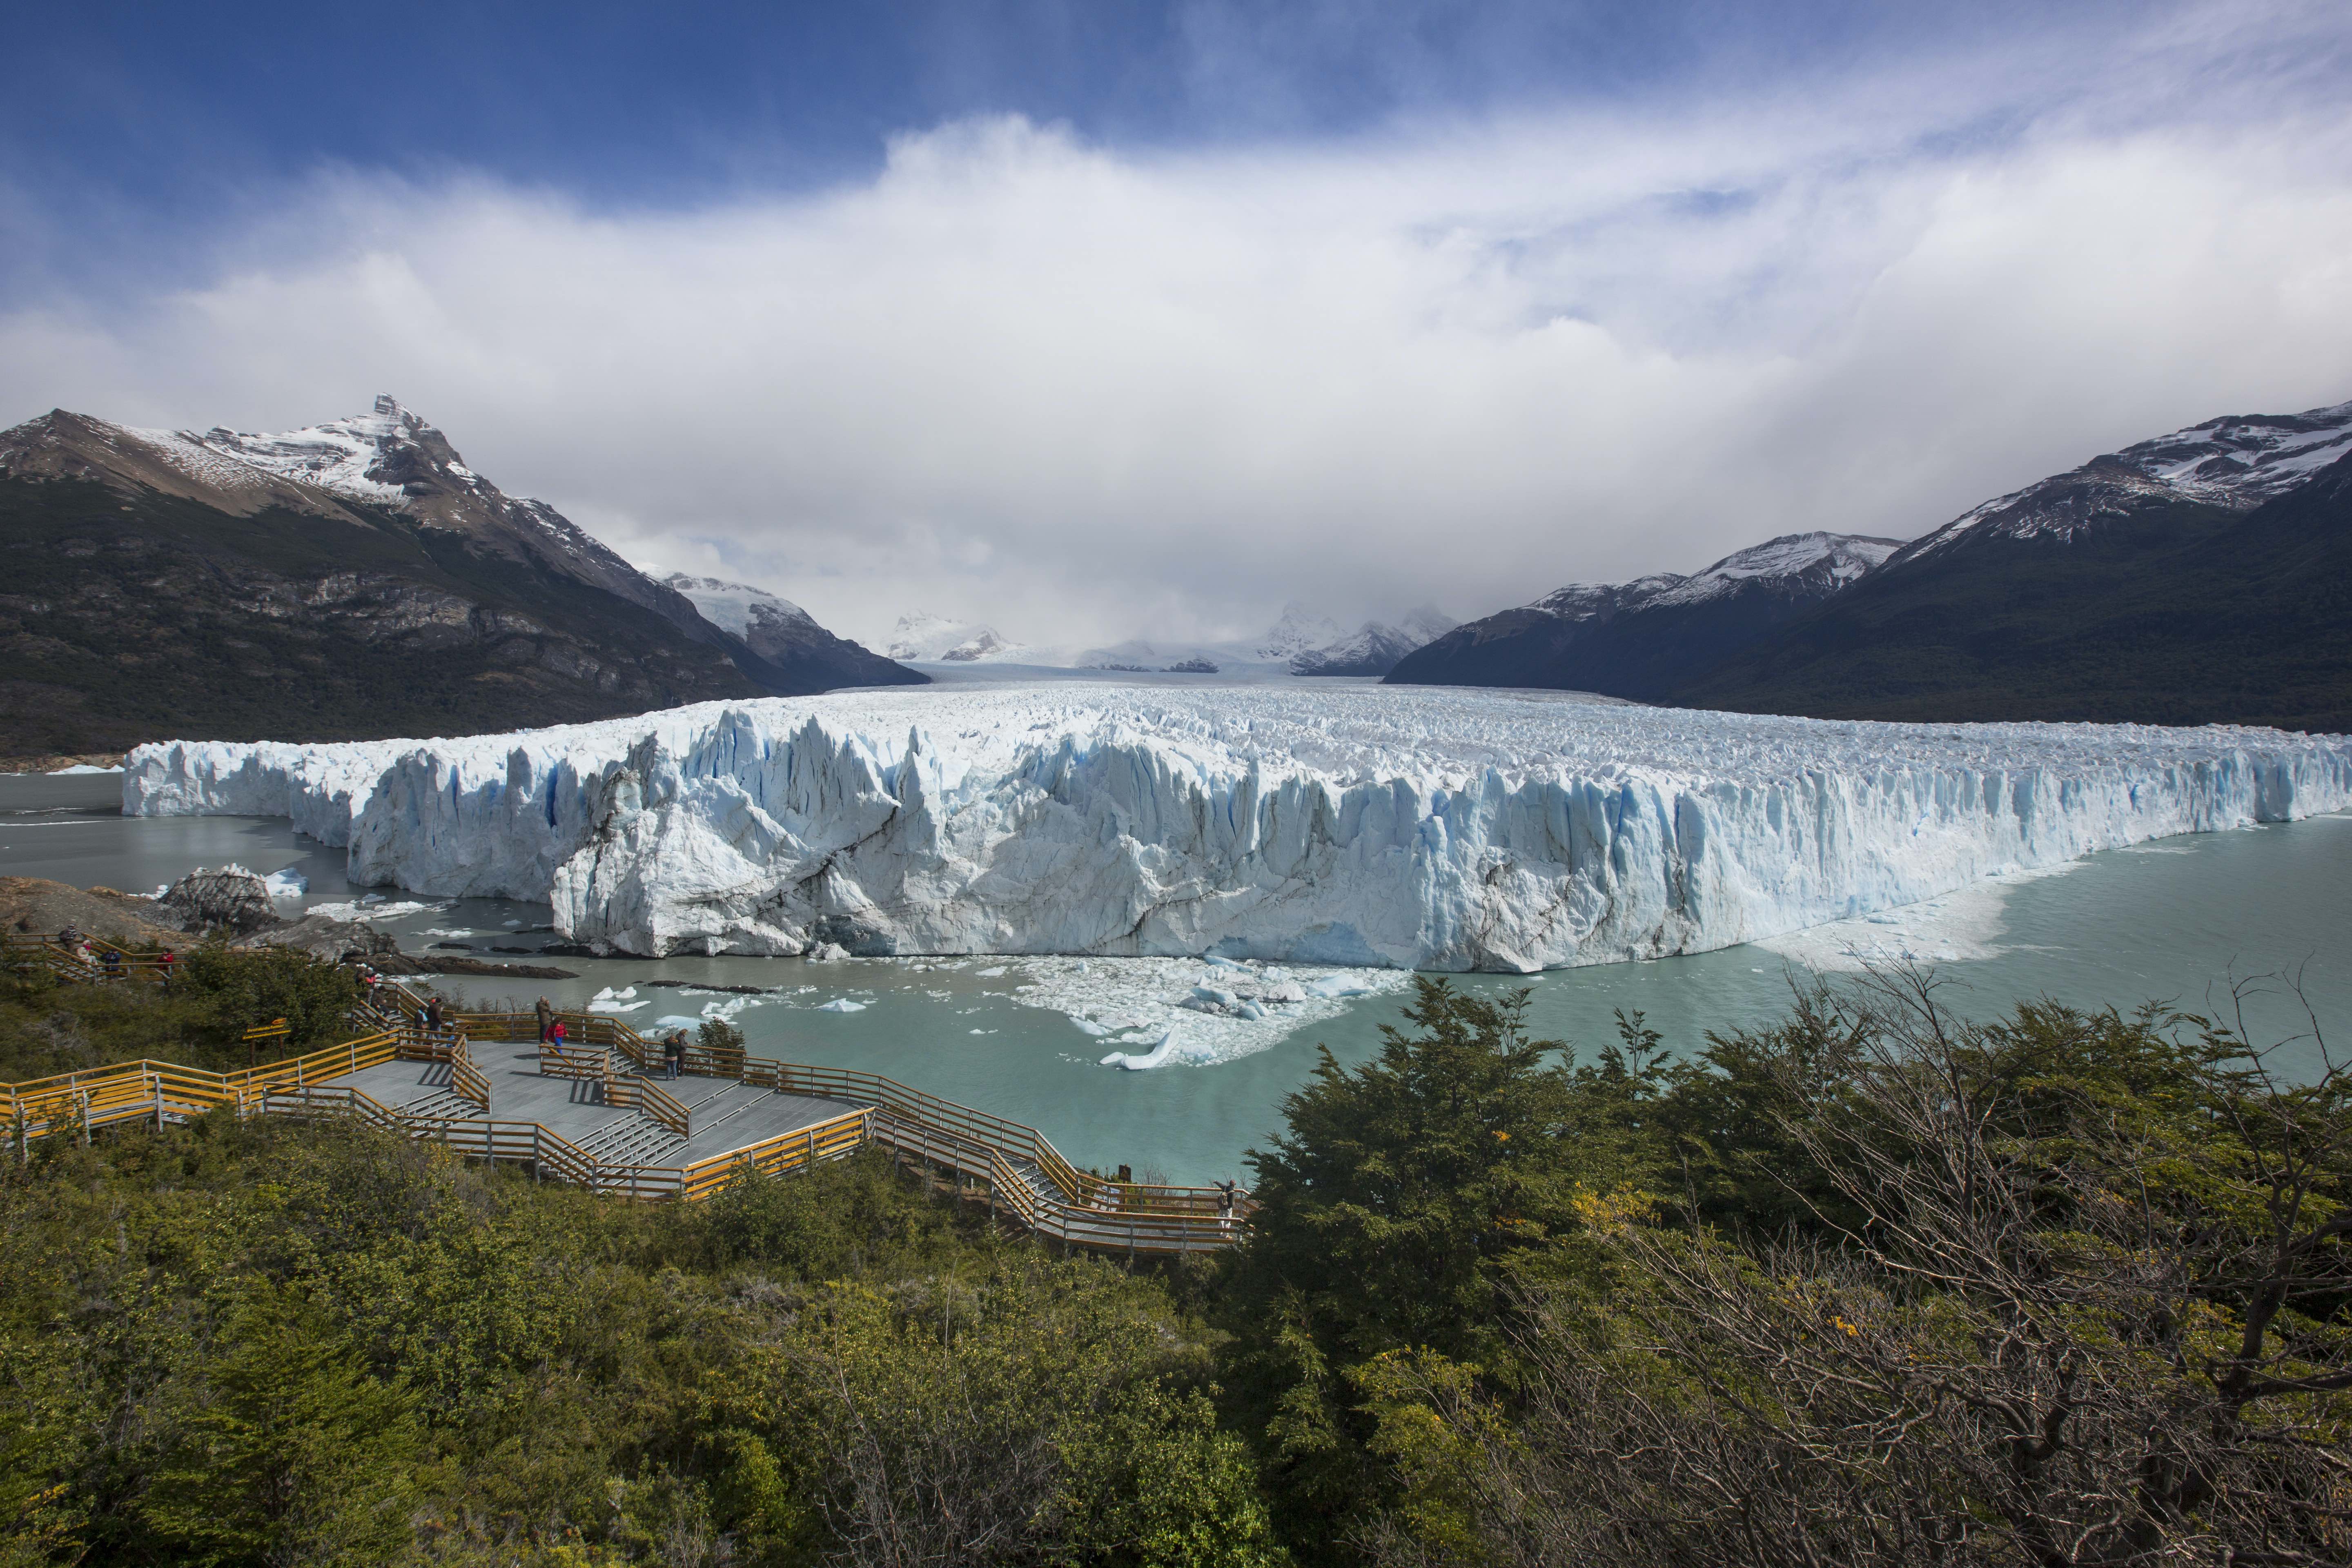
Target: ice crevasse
1437, 829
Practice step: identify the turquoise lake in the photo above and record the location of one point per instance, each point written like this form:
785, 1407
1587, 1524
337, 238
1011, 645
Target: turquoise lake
2172, 921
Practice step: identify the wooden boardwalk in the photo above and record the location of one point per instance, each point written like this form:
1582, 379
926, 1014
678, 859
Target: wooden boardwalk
598, 1113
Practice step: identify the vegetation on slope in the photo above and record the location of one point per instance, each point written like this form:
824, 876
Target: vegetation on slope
1876, 1285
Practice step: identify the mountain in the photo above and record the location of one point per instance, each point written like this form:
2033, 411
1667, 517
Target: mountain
1376, 647
786, 637
1300, 630
1645, 638
939, 640
349, 580
2203, 576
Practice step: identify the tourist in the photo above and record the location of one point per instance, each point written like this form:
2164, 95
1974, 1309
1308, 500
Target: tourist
674, 1052
1225, 1202
433, 1017
70, 936
113, 962
164, 962
555, 1039
546, 1018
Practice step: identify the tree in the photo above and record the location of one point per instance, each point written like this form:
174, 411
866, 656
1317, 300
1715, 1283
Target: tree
2082, 1300
293, 1453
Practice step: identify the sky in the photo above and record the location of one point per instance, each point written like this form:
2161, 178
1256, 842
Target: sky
1098, 320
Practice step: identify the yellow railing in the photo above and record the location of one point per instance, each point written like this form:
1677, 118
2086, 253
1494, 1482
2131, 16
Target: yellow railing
107, 961
1025, 1177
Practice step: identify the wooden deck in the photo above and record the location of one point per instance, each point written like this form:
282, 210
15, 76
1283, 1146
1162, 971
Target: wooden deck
600, 1113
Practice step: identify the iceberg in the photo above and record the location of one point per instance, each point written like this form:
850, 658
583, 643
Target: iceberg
1445, 829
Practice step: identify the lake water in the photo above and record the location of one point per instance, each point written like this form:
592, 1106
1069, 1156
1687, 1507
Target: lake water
2171, 921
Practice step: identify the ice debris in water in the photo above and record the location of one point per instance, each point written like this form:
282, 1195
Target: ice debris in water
1168, 1052
1451, 829
611, 1000
840, 1005
288, 884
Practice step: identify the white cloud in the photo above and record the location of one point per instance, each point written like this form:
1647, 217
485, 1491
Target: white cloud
1072, 391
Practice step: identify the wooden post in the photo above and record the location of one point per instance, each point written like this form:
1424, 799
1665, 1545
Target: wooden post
159, 1102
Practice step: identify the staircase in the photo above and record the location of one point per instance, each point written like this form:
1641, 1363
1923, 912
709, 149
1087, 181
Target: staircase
632, 1139
441, 1104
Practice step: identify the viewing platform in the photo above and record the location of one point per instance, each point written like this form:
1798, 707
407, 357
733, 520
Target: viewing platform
600, 1111
615, 1121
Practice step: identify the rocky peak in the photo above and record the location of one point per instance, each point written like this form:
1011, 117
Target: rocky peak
2237, 461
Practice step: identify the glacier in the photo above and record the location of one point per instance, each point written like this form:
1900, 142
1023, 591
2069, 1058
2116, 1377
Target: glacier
1419, 827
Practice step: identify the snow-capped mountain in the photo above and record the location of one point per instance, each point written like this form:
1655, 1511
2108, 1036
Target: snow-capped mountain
2236, 462
2196, 577
1300, 630
1375, 647
393, 459
347, 578
785, 636
936, 638
1302, 642
1638, 638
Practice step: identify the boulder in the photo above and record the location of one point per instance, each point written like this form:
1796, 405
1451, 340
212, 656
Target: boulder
230, 899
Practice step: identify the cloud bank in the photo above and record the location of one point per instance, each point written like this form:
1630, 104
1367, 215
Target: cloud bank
1081, 392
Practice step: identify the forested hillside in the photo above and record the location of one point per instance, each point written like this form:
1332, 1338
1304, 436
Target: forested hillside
1877, 1285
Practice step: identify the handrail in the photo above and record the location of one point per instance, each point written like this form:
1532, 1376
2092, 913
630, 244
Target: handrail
1050, 1196
466, 1078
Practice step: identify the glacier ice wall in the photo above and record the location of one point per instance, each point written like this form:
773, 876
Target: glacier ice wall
1441, 829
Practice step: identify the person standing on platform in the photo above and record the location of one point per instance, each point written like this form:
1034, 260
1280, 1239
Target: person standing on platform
546, 1018
674, 1052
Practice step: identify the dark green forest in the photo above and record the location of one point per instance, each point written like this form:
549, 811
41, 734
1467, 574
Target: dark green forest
1877, 1285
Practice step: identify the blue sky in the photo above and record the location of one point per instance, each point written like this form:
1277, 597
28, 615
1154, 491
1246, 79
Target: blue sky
159, 105
1094, 317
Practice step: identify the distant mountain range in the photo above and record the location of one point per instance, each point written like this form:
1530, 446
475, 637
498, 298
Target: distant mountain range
1301, 642
2201, 577
348, 580
800, 653
1645, 638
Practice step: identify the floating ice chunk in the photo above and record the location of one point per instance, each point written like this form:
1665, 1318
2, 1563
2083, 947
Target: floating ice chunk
611, 1000
1337, 985
1214, 962
288, 884
669, 1021
84, 768
840, 1005
372, 897
1089, 1026
361, 909
992, 972
1169, 1052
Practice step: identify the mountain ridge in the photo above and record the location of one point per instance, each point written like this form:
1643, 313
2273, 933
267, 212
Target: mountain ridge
342, 581
1639, 638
